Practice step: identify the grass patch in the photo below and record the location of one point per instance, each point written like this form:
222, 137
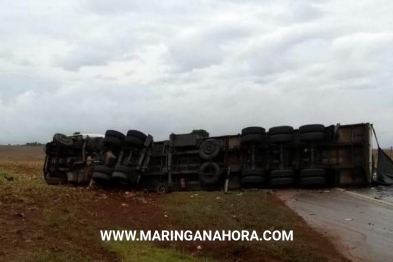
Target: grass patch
148, 252
244, 211
51, 256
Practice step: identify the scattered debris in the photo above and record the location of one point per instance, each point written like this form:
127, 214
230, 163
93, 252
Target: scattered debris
312, 214
240, 194
124, 205
20, 215
378, 198
143, 200
199, 247
348, 219
218, 198
128, 195
9, 178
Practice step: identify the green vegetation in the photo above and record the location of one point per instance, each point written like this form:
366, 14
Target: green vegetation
201, 133
148, 252
244, 211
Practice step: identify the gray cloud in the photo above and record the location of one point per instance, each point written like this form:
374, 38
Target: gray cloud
175, 66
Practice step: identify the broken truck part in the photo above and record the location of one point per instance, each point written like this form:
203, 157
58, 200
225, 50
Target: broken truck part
312, 155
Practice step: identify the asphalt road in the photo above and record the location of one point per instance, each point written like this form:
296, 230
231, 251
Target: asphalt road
382, 193
360, 227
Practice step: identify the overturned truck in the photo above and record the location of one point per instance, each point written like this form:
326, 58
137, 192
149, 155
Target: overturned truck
313, 155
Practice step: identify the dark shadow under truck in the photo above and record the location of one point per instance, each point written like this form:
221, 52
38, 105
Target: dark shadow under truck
311, 156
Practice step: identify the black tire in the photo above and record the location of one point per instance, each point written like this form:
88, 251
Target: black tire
104, 170
282, 174
312, 128
312, 181
253, 130
63, 140
278, 130
209, 173
282, 138
254, 139
134, 141
209, 149
113, 142
123, 169
138, 134
252, 181
312, 173
253, 172
162, 189
315, 136
101, 178
120, 176
283, 181
114, 133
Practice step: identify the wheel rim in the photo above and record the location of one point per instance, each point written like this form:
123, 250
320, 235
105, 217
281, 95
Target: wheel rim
209, 148
161, 189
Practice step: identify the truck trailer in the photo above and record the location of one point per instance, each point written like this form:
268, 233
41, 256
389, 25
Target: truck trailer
313, 155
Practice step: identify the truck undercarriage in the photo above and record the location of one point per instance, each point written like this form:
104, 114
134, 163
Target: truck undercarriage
313, 155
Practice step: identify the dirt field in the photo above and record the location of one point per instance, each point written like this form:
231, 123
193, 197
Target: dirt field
48, 223
28, 153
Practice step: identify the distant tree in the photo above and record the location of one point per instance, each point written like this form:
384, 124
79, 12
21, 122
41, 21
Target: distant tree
200, 132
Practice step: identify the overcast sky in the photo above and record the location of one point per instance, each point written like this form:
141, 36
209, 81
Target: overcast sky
173, 66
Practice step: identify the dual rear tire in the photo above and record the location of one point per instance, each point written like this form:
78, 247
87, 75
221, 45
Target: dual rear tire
312, 177
253, 178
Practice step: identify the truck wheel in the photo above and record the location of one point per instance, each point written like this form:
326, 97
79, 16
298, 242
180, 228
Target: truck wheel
314, 136
252, 181
253, 130
282, 174
138, 134
101, 178
63, 140
253, 172
123, 169
312, 173
104, 170
114, 133
120, 177
113, 142
209, 149
278, 130
281, 138
253, 139
312, 181
134, 141
162, 189
283, 181
209, 173
312, 128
